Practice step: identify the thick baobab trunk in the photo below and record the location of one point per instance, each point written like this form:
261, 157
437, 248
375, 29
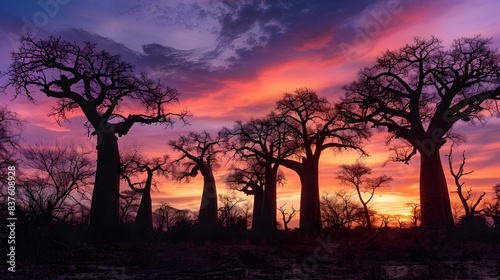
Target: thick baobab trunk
144, 218
104, 213
269, 203
310, 213
435, 206
207, 218
258, 199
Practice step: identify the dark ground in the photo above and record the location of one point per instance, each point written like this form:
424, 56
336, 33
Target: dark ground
380, 254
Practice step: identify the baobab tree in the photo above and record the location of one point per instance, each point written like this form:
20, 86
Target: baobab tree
199, 153
80, 76
133, 165
250, 181
467, 200
354, 175
418, 93
314, 125
260, 142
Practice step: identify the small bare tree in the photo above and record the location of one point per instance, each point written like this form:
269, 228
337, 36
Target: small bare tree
163, 217
385, 219
166, 217
400, 220
56, 178
414, 213
287, 217
354, 175
230, 213
340, 210
457, 210
492, 208
467, 200
129, 204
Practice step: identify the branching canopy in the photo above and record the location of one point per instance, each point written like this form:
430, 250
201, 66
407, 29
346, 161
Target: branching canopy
418, 92
134, 163
97, 82
196, 149
55, 180
316, 125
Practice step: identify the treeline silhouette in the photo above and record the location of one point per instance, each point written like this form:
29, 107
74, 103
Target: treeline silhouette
415, 93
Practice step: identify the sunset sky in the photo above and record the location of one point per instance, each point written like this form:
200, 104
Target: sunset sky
232, 60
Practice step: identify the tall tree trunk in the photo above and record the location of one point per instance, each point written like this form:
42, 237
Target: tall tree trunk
435, 206
104, 212
269, 203
257, 216
310, 213
207, 218
367, 216
144, 218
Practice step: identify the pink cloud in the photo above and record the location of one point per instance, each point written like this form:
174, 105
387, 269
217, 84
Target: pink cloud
314, 60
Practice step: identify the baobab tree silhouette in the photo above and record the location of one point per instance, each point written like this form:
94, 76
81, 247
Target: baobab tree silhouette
315, 125
260, 142
133, 164
99, 84
199, 153
418, 92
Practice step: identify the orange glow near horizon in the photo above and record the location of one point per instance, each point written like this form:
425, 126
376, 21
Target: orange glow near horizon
317, 63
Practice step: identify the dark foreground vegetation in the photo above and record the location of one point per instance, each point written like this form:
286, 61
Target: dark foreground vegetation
64, 252
74, 220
